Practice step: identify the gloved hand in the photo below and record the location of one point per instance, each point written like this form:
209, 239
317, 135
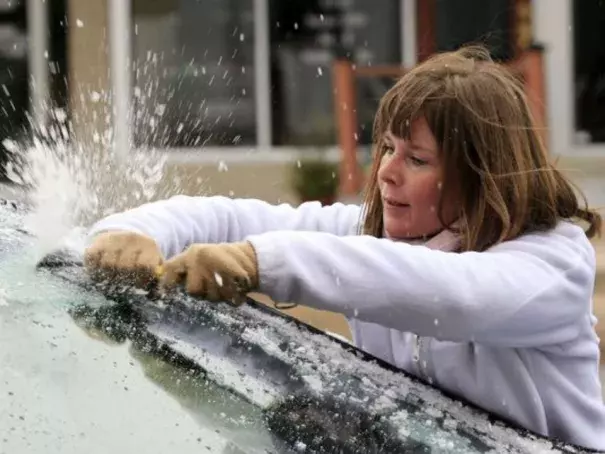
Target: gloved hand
126, 257
216, 272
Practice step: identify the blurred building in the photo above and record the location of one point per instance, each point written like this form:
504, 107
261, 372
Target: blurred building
211, 80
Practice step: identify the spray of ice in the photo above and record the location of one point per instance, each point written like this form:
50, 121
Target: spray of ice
70, 185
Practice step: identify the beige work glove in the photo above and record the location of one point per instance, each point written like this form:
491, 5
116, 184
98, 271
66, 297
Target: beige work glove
124, 257
215, 272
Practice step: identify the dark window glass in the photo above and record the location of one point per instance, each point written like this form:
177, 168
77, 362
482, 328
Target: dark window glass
460, 22
589, 68
14, 76
58, 26
302, 52
194, 72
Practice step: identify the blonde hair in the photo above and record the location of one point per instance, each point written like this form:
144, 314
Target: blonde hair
494, 159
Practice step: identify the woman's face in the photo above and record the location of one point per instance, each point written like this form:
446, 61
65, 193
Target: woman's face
409, 179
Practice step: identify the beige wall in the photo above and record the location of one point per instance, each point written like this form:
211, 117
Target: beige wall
589, 174
267, 181
88, 61
270, 180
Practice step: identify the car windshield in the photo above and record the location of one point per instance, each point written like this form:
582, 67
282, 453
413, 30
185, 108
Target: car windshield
97, 370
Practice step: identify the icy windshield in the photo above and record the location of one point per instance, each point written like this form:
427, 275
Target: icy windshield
85, 370
70, 388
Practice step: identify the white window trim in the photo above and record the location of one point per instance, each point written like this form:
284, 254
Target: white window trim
252, 155
37, 56
120, 61
553, 22
409, 45
262, 73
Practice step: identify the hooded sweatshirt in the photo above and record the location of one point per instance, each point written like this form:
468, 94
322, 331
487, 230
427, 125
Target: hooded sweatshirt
510, 329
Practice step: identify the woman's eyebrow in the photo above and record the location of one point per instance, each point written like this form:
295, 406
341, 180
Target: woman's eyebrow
418, 147
390, 139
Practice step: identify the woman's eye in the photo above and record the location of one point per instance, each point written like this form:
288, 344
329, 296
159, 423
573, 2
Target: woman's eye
388, 149
417, 161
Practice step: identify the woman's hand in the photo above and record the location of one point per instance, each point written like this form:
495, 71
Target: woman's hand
215, 272
125, 257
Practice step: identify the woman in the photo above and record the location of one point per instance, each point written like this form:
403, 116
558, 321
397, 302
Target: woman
464, 266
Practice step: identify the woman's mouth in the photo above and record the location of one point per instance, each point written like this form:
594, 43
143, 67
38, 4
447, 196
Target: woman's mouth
394, 203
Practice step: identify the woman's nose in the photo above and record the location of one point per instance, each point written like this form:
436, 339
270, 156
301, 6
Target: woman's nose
391, 170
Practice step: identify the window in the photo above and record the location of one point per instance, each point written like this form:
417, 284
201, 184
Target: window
589, 70
467, 21
193, 73
14, 77
302, 50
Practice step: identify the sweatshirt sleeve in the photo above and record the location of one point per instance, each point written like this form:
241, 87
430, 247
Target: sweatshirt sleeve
177, 222
522, 293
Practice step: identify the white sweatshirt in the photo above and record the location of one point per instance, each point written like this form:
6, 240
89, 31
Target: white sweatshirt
510, 329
